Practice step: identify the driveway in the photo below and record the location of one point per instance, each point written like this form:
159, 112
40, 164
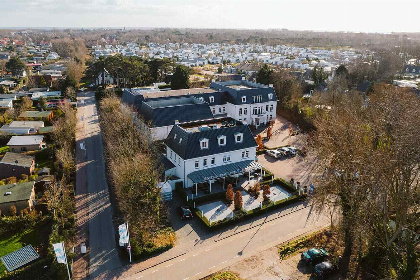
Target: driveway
301, 169
93, 206
200, 252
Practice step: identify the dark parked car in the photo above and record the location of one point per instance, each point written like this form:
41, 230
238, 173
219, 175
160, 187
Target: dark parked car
186, 213
314, 255
324, 269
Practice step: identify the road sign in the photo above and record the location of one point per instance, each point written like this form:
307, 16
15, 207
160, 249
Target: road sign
129, 247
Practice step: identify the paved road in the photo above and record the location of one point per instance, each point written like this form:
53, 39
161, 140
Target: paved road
93, 205
216, 251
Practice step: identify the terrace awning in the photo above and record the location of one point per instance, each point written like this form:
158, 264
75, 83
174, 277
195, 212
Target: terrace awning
223, 171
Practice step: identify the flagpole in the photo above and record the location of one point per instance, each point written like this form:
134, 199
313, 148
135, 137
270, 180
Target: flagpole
129, 251
67, 263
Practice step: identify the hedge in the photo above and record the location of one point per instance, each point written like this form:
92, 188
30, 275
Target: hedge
296, 245
239, 216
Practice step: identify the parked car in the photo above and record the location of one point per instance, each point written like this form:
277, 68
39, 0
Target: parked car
292, 150
284, 150
274, 153
314, 255
186, 213
324, 269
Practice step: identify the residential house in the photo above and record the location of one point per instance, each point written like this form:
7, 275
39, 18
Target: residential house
411, 69
203, 151
20, 195
26, 143
162, 113
6, 104
14, 165
37, 115
104, 78
21, 127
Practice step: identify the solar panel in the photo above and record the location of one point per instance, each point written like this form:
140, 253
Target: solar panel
19, 258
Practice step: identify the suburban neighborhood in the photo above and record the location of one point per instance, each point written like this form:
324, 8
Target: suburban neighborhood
201, 148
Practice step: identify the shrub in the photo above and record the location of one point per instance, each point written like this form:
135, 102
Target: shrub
238, 200
10, 180
229, 193
13, 210
266, 192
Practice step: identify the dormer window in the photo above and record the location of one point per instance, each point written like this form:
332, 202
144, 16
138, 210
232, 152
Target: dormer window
270, 96
238, 137
204, 143
243, 98
222, 140
211, 99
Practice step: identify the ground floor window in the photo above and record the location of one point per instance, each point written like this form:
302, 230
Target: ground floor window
226, 158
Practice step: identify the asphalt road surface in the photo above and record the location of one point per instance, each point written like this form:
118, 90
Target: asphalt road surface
92, 188
221, 250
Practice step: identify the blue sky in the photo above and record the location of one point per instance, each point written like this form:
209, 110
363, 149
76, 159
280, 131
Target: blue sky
337, 15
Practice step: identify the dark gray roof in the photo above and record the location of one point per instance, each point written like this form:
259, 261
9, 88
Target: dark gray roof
166, 163
204, 175
250, 90
17, 159
167, 115
19, 258
189, 146
16, 192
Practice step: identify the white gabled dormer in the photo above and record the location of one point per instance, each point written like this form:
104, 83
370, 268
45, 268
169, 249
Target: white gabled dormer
244, 98
222, 140
239, 137
270, 96
211, 99
204, 143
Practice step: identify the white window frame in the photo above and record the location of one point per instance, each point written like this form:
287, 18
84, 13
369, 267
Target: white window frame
204, 143
270, 96
226, 158
213, 161
220, 139
211, 99
241, 137
197, 164
243, 99
205, 162
245, 111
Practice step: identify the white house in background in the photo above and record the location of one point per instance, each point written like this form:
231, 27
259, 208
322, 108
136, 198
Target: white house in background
21, 127
52, 56
104, 78
204, 151
6, 104
245, 101
46, 94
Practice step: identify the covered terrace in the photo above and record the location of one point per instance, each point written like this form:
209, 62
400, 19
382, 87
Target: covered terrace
217, 178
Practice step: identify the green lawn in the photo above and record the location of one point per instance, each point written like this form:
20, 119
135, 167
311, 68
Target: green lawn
12, 243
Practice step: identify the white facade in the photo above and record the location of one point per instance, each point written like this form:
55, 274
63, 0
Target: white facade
185, 167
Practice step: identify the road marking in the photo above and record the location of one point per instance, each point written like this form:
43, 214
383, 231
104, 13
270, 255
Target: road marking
208, 250
186, 278
236, 257
182, 260
154, 271
195, 255
198, 273
169, 265
224, 262
139, 277
212, 267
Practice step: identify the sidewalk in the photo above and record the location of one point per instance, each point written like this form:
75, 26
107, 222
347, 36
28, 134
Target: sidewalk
81, 263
